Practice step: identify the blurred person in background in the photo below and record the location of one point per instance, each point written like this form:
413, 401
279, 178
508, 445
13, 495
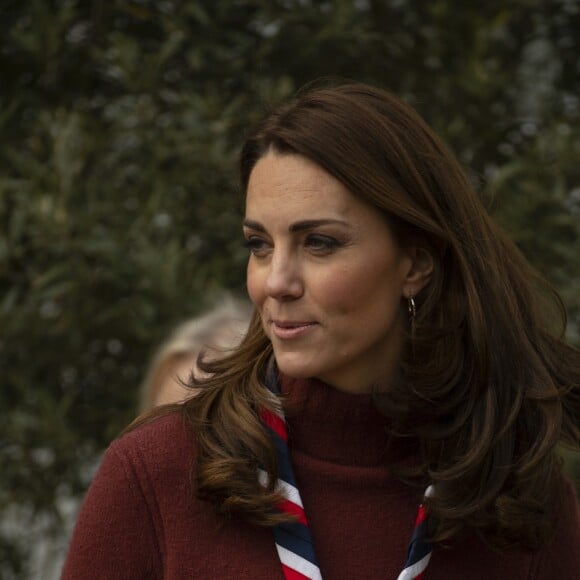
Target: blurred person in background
214, 333
395, 407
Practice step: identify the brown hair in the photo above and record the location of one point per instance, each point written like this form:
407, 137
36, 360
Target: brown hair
487, 385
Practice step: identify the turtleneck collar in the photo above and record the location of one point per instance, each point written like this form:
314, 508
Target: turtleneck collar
335, 426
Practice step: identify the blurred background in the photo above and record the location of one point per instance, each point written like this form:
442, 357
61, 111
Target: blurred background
120, 124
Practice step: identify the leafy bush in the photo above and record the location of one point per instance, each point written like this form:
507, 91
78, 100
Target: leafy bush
119, 206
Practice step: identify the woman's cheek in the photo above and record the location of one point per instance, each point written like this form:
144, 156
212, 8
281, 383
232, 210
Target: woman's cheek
338, 289
253, 285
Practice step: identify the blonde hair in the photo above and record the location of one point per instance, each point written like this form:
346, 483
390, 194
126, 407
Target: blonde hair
214, 333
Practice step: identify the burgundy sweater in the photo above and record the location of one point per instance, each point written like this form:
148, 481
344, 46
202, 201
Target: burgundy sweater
139, 520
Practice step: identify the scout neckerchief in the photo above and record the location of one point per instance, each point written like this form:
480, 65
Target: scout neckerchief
293, 540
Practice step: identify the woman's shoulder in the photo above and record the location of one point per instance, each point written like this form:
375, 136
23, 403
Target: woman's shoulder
562, 553
142, 483
157, 444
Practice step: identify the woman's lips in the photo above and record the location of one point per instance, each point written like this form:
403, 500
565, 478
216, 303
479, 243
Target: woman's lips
286, 329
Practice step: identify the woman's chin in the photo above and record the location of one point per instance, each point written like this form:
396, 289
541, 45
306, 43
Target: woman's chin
294, 369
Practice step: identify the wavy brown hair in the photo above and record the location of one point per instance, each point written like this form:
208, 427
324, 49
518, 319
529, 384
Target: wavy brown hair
487, 385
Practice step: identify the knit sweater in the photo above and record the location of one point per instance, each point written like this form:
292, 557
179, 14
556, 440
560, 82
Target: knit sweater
140, 520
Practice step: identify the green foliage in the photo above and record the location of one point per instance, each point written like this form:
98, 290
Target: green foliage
119, 207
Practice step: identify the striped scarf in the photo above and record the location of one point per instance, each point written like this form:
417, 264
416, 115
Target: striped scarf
293, 540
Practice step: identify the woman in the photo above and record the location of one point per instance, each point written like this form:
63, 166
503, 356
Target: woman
413, 354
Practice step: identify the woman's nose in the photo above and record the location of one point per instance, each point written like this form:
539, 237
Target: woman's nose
284, 279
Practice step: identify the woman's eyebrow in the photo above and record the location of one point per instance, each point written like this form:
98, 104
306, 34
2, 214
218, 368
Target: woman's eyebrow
296, 227
311, 224
253, 225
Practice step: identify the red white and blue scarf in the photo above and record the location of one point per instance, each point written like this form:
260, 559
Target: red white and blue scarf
293, 540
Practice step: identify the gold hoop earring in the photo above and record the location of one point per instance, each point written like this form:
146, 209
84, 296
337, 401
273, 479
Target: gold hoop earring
412, 308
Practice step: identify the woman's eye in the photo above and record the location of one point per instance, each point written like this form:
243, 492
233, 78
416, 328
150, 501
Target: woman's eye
321, 244
257, 246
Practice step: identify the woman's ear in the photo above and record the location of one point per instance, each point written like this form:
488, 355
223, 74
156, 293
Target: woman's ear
419, 275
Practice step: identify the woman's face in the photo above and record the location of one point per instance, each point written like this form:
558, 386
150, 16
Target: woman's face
325, 273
